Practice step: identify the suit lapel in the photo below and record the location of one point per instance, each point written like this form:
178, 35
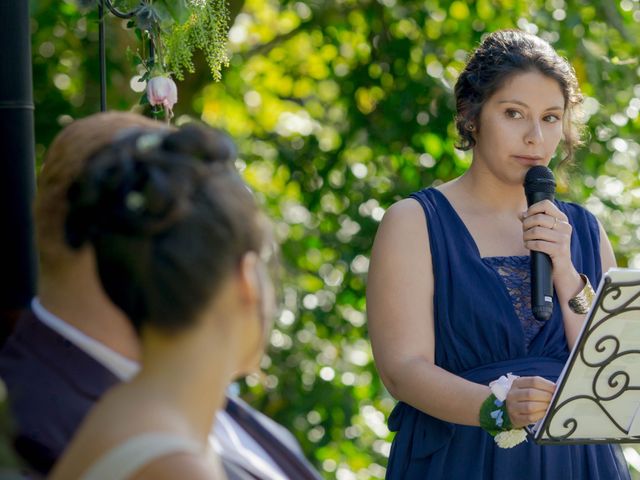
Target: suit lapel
238, 470
292, 464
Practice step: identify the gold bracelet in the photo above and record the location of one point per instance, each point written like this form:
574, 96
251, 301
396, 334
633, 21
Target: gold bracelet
581, 303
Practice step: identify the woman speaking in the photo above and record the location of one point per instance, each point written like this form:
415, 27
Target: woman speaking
449, 288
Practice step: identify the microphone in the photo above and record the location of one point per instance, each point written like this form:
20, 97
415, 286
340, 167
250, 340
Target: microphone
539, 184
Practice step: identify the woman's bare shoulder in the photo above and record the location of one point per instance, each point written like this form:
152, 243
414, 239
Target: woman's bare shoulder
182, 465
99, 433
403, 229
403, 211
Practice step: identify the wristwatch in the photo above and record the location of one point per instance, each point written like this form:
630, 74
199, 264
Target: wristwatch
581, 303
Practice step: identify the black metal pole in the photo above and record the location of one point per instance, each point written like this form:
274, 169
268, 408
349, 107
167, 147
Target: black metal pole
102, 4
103, 57
152, 52
17, 161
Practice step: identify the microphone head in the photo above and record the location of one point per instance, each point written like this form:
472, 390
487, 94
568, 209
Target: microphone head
539, 179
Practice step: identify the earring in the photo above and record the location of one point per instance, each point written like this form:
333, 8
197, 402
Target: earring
471, 127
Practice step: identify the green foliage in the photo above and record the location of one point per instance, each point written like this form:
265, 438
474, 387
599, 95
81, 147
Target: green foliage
205, 29
178, 28
339, 109
173, 11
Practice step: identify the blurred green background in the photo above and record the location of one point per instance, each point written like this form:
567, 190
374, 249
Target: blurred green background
340, 108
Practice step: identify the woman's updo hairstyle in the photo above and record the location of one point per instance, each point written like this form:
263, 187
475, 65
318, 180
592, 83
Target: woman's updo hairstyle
501, 55
169, 219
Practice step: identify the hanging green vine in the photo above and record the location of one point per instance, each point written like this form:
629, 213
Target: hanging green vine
170, 32
179, 27
205, 30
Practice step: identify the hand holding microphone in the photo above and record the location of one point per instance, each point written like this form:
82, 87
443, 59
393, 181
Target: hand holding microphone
547, 233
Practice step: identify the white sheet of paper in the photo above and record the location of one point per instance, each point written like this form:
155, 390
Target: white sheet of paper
634, 428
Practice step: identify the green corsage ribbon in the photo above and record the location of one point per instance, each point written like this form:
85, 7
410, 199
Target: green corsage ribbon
494, 417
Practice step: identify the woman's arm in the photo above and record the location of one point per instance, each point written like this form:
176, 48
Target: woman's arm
607, 257
400, 316
546, 229
573, 321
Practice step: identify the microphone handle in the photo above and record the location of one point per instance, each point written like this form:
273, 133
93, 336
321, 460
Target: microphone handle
541, 272
541, 286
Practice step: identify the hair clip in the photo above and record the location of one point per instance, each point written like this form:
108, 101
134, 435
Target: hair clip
147, 141
135, 201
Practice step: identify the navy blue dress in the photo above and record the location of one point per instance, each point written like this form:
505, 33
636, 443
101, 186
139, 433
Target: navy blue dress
479, 335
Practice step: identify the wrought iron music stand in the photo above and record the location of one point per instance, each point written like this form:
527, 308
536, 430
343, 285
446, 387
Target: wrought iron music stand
597, 399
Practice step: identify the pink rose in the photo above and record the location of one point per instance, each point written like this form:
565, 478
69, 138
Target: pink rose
162, 91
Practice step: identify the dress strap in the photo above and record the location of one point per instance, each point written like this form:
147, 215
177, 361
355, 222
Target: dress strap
125, 459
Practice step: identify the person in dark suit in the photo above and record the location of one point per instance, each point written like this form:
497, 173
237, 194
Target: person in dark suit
74, 344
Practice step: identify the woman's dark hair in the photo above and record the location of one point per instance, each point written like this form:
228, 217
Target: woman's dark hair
501, 55
169, 219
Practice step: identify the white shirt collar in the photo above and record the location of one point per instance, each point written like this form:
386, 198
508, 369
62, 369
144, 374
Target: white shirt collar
119, 365
228, 438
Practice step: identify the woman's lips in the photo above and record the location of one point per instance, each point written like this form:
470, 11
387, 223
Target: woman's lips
528, 159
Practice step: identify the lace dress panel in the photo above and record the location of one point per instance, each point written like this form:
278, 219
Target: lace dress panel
515, 273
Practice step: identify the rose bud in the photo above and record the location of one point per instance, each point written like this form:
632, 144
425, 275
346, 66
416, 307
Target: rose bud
162, 91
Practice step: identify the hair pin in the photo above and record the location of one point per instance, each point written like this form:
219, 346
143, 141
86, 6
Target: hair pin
147, 141
134, 201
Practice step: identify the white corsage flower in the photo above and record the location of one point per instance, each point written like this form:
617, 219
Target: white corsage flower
510, 438
500, 387
513, 436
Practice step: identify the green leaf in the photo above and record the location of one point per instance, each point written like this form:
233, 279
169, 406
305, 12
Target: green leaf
177, 10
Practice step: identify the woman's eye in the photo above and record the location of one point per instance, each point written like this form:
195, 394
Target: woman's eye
513, 114
552, 118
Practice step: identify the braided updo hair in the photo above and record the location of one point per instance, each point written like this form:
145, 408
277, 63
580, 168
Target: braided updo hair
501, 55
169, 219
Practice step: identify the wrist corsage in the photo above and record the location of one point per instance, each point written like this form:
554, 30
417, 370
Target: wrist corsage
494, 417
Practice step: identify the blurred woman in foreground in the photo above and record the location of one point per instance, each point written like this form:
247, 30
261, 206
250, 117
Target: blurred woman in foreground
181, 248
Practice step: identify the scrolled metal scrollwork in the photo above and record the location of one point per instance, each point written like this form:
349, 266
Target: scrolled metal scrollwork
117, 13
601, 346
572, 423
618, 387
614, 292
614, 376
